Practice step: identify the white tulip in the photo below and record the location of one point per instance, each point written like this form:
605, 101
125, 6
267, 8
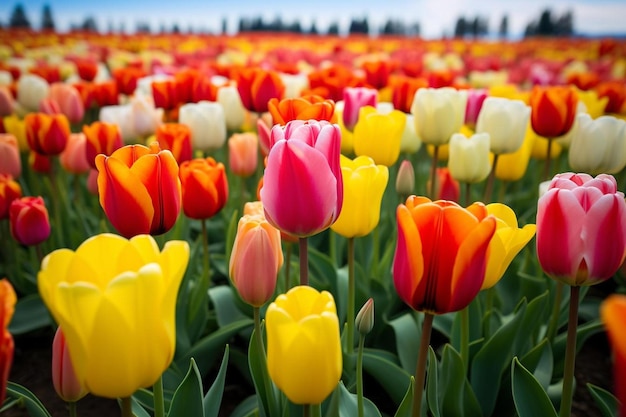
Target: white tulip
31, 89
438, 113
234, 111
468, 158
598, 146
207, 122
505, 120
410, 143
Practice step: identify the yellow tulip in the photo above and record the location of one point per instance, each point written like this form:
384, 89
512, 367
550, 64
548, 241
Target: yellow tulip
304, 356
379, 135
17, 127
512, 166
115, 300
506, 243
364, 184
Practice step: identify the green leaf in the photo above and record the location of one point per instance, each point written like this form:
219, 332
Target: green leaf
606, 401
432, 384
391, 377
322, 270
408, 333
34, 407
213, 399
531, 400
187, 400
30, 314
248, 408
226, 301
137, 408
541, 362
231, 232
348, 404
456, 395
405, 407
265, 389
583, 332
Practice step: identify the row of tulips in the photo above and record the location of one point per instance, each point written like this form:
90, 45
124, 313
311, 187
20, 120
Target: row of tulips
319, 150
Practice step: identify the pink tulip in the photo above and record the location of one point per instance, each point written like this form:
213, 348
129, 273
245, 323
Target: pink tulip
7, 102
353, 99
475, 99
10, 161
64, 378
302, 188
581, 228
68, 100
74, 157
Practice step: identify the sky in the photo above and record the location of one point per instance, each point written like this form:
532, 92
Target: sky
436, 17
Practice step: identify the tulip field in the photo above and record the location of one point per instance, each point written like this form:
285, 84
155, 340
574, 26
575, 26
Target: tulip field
336, 225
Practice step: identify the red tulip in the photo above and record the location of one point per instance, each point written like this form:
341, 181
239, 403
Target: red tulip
205, 187
553, 110
9, 191
176, 138
47, 134
29, 220
257, 86
64, 380
102, 138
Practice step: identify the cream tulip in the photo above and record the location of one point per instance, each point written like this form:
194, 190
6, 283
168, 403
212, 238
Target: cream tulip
598, 145
468, 159
206, 119
31, 89
234, 111
438, 112
505, 120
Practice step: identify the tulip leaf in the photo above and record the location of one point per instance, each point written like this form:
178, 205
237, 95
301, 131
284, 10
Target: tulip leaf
247, 408
265, 389
30, 314
606, 401
530, 398
226, 304
540, 361
455, 393
404, 409
432, 385
391, 376
322, 270
34, 407
138, 409
583, 332
213, 399
348, 404
187, 400
408, 332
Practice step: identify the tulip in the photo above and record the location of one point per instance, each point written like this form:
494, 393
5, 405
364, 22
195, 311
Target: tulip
126, 79
8, 299
9, 191
301, 108
612, 313
592, 104
355, 98
295, 84
64, 380
304, 356
553, 110
205, 187
10, 160
505, 120
405, 180
378, 135
615, 92
102, 138
28, 217
106, 94
121, 116
410, 142
365, 318
145, 117
31, 89
17, 127
176, 138
468, 159
439, 112
74, 157
40, 163
243, 153
207, 124
164, 94
475, 101
7, 102
446, 188
304, 163
234, 111
512, 166
263, 132
598, 145
87, 69
403, 91
47, 134
68, 100
255, 259
364, 184
139, 189
441, 254
576, 218
116, 346
257, 86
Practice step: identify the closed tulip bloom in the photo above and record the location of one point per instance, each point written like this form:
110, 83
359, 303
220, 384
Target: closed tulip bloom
74, 157
243, 153
47, 134
68, 100
31, 89
405, 180
139, 189
475, 100
10, 160
304, 356
205, 187
257, 86
598, 145
403, 91
17, 127
553, 110
441, 255
439, 112
512, 166
175, 137
255, 260
8, 299
581, 229
145, 117
354, 98
448, 188
207, 124
164, 93
612, 313
410, 142
7, 102
364, 184
121, 116
28, 217
505, 120
9, 191
64, 380
234, 111
39, 163
303, 175
379, 135
468, 159
102, 138
106, 94
87, 69
301, 108
506, 243
116, 346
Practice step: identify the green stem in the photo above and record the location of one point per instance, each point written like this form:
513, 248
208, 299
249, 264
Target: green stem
465, 323
332, 247
288, 246
72, 408
351, 296
491, 179
159, 402
316, 410
257, 327
433, 174
304, 261
546, 170
206, 265
468, 198
556, 312
375, 249
420, 370
127, 407
359, 375
570, 353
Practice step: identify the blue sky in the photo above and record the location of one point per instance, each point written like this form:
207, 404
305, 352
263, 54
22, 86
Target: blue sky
436, 17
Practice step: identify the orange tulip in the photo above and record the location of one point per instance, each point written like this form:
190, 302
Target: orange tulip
333, 80
257, 86
175, 137
7, 307
47, 134
126, 79
377, 72
243, 154
139, 189
102, 138
612, 313
164, 94
205, 187
553, 110
9, 191
87, 69
301, 108
74, 157
106, 93
403, 91
616, 93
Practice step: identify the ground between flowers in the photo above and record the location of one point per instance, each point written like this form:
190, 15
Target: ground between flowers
31, 368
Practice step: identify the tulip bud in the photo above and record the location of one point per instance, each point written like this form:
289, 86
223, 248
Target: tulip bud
365, 318
29, 220
243, 153
405, 181
67, 386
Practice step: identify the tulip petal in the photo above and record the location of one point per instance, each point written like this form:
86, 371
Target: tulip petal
408, 262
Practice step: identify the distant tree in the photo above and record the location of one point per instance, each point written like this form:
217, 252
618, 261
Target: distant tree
503, 32
545, 26
89, 24
224, 25
415, 29
18, 19
313, 30
460, 29
333, 28
175, 28
564, 25
47, 22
